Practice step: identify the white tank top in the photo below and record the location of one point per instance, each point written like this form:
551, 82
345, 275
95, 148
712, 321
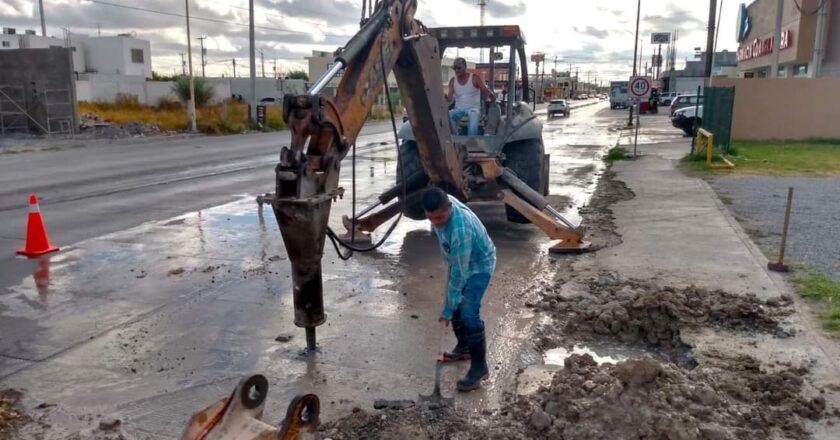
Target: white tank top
468, 95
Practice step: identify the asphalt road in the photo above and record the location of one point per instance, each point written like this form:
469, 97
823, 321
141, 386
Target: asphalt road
111, 186
173, 285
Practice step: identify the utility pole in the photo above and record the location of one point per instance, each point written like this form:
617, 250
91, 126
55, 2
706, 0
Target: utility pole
275, 68
819, 43
234, 67
253, 57
636, 52
482, 4
777, 40
710, 39
43, 21
183, 64
262, 62
659, 63
191, 103
203, 54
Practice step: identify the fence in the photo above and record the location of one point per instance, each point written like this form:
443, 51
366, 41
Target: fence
718, 103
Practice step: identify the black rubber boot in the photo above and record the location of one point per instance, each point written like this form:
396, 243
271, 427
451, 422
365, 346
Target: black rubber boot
461, 352
478, 362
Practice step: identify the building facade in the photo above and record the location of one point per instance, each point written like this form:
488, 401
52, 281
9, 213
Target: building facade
115, 55
756, 35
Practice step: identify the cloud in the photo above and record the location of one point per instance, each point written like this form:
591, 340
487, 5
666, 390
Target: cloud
500, 8
674, 19
592, 32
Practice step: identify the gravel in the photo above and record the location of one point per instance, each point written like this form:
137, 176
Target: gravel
814, 233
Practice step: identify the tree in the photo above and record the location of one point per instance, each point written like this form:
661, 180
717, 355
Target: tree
163, 77
298, 74
203, 91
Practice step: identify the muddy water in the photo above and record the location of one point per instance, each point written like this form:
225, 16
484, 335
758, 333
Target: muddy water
150, 323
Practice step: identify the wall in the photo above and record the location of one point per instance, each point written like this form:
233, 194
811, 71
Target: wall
104, 87
831, 61
28, 41
13, 41
112, 55
266, 87
784, 108
37, 70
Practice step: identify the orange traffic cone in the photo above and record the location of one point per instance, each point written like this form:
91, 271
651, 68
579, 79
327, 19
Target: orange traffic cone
37, 242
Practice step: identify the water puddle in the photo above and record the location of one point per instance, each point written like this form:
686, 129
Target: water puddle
557, 356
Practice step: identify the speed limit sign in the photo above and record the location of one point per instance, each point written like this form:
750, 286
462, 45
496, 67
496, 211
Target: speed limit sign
639, 87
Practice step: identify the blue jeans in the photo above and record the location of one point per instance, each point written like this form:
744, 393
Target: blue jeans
469, 311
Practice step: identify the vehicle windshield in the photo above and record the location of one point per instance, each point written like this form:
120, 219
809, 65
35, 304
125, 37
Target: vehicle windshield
557, 101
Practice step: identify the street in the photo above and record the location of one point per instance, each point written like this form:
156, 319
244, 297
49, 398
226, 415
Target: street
172, 284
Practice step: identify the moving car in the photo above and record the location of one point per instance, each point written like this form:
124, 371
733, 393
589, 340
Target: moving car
558, 106
688, 119
269, 100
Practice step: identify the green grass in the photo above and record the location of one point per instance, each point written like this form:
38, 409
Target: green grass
822, 288
813, 157
616, 153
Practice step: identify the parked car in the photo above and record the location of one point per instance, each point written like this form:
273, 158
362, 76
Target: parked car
667, 97
683, 101
688, 119
269, 100
558, 106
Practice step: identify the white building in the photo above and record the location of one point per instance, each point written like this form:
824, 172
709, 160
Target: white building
118, 55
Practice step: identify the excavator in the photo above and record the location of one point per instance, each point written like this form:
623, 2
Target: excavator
505, 163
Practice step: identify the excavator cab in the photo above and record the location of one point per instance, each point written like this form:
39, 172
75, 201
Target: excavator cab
508, 128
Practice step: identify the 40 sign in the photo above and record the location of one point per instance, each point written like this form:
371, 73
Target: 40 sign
639, 87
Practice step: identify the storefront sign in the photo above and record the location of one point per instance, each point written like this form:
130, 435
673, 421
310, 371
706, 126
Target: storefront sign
760, 47
744, 23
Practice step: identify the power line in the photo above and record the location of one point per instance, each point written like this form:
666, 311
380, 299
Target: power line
212, 20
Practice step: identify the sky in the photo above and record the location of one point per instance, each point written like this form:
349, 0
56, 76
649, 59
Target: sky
595, 36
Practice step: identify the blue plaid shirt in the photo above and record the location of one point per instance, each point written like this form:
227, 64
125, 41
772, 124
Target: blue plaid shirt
468, 250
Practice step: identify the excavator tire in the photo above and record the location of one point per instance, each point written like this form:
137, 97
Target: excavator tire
410, 157
525, 159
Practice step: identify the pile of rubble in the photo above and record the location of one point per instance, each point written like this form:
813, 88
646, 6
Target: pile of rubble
95, 127
637, 312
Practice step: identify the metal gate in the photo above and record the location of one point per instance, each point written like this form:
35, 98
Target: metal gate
718, 103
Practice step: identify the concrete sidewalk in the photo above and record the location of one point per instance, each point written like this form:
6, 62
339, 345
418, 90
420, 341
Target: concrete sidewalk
677, 232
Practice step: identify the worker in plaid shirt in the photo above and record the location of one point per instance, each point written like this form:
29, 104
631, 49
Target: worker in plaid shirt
472, 259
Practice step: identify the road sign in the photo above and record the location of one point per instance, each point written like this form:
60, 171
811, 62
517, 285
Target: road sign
639, 86
660, 38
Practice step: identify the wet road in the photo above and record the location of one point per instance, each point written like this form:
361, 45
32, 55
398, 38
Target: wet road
148, 323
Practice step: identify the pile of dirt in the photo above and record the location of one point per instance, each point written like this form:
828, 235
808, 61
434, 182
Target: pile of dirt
10, 414
724, 398
413, 423
639, 312
598, 217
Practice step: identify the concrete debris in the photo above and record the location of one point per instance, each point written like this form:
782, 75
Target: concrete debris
109, 424
11, 416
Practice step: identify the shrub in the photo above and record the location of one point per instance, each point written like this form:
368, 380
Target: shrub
168, 103
127, 101
201, 88
298, 74
274, 118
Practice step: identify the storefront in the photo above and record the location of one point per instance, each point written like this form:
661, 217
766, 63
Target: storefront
756, 29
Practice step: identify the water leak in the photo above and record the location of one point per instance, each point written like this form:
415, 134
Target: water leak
557, 356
